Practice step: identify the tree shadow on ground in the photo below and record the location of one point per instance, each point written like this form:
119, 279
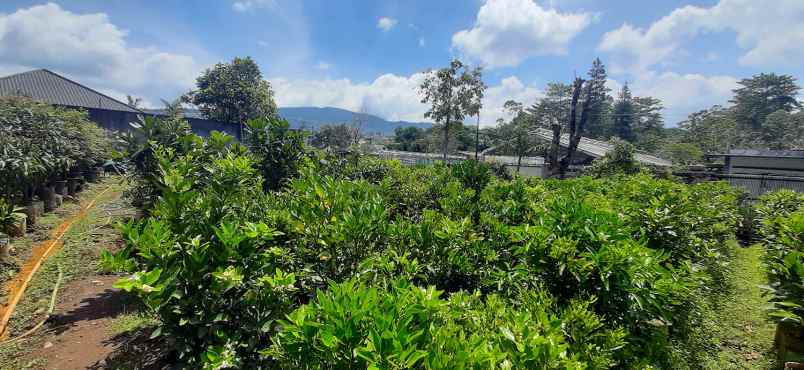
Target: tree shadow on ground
134, 350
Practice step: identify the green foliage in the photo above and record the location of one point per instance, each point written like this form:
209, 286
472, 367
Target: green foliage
453, 93
328, 271
335, 137
782, 230
137, 150
683, 153
762, 95
402, 326
618, 161
277, 149
7, 215
40, 143
233, 92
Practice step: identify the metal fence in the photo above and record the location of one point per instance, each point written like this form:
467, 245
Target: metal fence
757, 185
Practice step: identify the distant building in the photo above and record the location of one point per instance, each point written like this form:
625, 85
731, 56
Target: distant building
109, 113
762, 171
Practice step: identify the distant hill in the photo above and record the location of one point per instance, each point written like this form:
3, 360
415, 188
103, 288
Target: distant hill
314, 117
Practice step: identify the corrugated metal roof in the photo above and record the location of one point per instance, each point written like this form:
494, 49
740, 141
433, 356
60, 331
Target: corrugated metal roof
597, 148
51, 88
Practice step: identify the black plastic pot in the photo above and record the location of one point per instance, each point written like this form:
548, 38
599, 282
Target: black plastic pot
60, 187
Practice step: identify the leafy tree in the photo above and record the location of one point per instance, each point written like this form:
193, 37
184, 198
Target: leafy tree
784, 130
554, 107
683, 153
762, 95
233, 92
600, 110
133, 101
712, 130
409, 139
453, 93
619, 160
337, 137
624, 112
648, 122
515, 136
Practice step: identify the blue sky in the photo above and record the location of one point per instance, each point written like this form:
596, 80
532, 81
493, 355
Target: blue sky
370, 54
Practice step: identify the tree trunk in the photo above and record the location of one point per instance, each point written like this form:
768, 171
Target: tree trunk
445, 145
552, 154
518, 163
575, 128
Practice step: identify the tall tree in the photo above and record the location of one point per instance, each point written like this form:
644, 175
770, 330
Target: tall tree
515, 136
554, 107
599, 125
647, 122
624, 115
452, 93
233, 92
713, 130
762, 95
784, 130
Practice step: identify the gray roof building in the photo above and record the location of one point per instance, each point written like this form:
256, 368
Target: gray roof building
49, 87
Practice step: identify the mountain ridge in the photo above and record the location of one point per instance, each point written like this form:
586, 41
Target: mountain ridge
315, 117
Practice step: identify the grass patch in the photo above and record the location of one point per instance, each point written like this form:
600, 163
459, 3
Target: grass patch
731, 329
132, 321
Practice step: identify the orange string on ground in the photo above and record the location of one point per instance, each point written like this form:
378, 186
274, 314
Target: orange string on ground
40, 253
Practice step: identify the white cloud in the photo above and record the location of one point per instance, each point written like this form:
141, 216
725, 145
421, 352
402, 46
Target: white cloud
770, 34
507, 32
391, 96
89, 48
246, 5
681, 94
386, 24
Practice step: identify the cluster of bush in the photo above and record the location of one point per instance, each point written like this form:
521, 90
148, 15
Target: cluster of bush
42, 149
262, 255
781, 230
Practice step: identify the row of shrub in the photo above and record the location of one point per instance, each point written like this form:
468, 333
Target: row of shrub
41, 143
781, 229
266, 256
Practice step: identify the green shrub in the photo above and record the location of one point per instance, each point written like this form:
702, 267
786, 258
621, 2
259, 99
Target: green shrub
781, 216
40, 143
277, 149
406, 327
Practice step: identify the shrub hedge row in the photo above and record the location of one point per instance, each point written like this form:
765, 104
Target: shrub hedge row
364, 263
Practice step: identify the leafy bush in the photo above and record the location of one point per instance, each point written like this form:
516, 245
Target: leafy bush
138, 151
278, 149
354, 326
781, 215
618, 161
586, 272
40, 143
207, 264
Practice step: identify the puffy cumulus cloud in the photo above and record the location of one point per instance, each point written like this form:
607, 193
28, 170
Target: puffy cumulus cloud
246, 5
769, 34
507, 32
391, 96
386, 24
89, 48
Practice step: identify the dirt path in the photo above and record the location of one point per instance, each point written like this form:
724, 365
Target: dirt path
78, 336
84, 331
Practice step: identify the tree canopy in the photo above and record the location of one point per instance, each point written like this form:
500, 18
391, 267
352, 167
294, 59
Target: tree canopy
233, 92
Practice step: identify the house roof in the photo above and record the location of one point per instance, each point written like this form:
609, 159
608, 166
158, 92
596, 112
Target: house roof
758, 153
51, 88
597, 148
